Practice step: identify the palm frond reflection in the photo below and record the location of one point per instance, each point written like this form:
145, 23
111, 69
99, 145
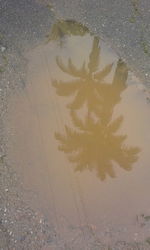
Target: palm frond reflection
94, 144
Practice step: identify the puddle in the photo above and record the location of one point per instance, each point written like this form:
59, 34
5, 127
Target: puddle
80, 138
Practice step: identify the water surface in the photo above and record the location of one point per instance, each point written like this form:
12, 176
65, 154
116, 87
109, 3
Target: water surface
81, 138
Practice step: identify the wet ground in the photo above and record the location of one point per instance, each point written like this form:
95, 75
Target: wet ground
75, 139
80, 139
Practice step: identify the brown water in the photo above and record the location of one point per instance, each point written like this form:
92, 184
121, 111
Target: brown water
81, 138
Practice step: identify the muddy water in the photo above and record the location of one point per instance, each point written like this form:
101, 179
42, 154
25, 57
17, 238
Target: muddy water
80, 138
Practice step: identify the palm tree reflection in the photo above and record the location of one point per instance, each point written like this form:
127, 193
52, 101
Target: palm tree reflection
95, 146
63, 28
88, 83
93, 142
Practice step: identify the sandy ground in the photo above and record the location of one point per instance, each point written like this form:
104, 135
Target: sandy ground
23, 25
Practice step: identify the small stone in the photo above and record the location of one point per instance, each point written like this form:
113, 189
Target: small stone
3, 49
6, 189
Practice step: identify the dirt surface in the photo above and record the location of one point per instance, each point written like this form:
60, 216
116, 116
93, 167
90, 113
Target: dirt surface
23, 25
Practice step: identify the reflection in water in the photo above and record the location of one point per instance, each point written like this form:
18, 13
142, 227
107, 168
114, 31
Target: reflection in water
63, 28
96, 146
92, 143
96, 113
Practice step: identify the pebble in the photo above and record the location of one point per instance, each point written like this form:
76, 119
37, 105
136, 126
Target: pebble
3, 49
